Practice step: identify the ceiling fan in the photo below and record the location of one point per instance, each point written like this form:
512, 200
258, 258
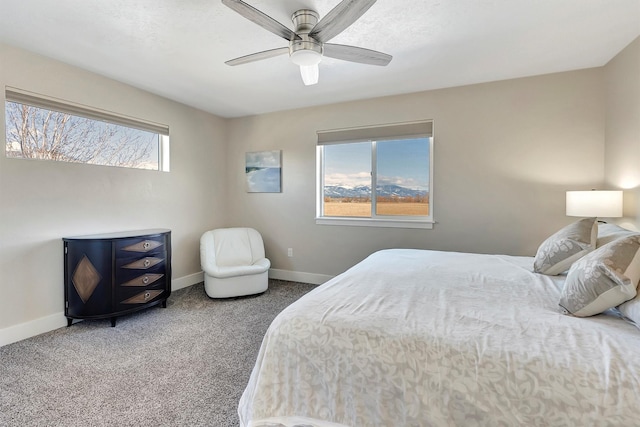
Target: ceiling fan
308, 43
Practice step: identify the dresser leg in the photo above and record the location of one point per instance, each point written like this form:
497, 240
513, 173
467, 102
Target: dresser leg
69, 321
164, 304
113, 322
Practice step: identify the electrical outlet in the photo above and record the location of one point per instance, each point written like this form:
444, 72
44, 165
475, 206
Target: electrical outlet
290, 252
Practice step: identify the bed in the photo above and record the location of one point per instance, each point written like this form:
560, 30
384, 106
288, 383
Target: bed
427, 338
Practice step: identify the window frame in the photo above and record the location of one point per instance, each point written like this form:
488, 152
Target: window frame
23, 97
390, 221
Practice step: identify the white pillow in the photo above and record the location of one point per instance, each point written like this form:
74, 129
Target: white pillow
631, 310
603, 279
607, 233
556, 254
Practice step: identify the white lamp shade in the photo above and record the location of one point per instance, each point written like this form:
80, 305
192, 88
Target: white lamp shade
594, 203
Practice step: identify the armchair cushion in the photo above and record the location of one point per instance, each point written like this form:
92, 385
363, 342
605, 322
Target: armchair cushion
240, 270
232, 248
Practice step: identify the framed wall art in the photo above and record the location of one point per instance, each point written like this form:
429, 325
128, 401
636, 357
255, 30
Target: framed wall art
263, 170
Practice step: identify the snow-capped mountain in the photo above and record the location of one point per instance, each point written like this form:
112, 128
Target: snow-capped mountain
334, 191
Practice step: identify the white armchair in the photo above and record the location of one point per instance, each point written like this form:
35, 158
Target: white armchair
233, 262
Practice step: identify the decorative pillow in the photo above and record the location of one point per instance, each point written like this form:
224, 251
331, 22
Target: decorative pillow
631, 310
603, 279
609, 232
557, 253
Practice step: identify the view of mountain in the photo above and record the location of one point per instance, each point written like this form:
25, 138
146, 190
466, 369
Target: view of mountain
334, 191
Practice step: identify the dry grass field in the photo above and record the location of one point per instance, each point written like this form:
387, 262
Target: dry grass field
356, 209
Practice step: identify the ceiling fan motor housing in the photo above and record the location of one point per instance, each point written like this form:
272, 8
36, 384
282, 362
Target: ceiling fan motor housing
304, 20
306, 51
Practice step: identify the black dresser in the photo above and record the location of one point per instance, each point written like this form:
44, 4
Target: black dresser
108, 275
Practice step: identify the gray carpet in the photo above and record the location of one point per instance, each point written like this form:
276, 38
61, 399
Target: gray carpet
184, 365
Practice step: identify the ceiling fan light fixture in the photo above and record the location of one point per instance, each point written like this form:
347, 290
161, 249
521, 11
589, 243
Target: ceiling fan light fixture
309, 74
306, 57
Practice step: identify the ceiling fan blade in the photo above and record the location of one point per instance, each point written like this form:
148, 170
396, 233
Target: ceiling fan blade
258, 56
356, 54
265, 21
339, 18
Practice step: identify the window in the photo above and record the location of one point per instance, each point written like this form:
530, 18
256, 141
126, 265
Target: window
39, 127
376, 176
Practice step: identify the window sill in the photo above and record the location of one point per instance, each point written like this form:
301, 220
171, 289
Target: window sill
376, 222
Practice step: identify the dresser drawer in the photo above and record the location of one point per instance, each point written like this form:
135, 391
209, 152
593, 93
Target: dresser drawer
143, 263
145, 280
147, 246
137, 297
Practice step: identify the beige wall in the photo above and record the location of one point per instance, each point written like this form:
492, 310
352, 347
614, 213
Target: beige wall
41, 201
505, 153
622, 129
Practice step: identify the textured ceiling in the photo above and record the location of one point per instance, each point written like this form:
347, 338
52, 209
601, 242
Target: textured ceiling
177, 48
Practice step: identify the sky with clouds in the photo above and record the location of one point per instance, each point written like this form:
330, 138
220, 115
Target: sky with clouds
399, 162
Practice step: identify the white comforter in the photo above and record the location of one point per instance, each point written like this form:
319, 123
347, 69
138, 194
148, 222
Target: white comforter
424, 338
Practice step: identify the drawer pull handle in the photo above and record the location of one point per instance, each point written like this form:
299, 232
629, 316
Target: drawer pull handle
146, 245
145, 279
147, 262
147, 295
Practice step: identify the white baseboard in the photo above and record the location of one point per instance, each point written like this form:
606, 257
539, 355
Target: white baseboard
54, 321
186, 281
32, 328
298, 276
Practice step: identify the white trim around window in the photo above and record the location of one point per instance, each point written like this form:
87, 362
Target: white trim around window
374, 135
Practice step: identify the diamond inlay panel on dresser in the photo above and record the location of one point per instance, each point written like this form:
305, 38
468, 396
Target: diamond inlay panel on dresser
85, 278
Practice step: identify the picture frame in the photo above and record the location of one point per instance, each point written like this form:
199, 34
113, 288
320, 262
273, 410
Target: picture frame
263, 171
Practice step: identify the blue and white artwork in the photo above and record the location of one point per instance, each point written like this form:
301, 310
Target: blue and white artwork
263, 170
